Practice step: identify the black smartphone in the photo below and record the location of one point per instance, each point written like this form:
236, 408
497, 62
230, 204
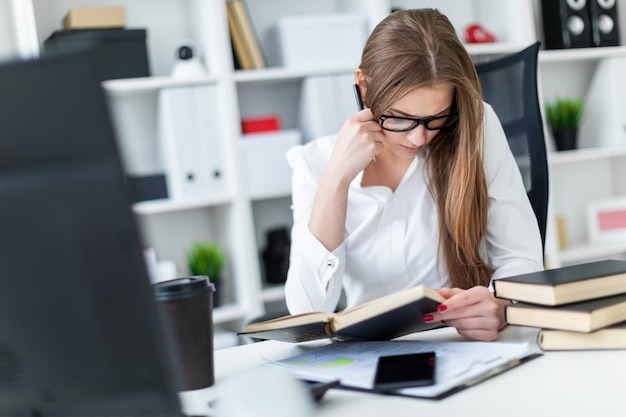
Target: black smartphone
357, 95
404, 371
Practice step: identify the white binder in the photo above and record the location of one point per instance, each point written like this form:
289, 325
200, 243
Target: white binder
191, 145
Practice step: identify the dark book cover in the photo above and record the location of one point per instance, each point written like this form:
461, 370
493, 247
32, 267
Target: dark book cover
398, 322
565, 285
567, 274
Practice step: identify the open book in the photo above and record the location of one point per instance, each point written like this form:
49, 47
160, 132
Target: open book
385, 318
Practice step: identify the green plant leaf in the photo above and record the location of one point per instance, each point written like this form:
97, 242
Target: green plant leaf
206, 258
564, 113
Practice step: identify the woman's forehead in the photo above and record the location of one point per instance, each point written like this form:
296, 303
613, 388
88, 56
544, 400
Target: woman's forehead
425, 101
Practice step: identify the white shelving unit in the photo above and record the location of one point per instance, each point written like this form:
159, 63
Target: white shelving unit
240, 218
585, 174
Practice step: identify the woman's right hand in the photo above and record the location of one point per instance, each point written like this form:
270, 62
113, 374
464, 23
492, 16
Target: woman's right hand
358, 142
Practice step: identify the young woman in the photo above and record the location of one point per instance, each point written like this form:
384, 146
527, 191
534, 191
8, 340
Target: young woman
420, 187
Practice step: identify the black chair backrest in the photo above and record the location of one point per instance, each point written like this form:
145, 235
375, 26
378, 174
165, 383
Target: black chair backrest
509, 85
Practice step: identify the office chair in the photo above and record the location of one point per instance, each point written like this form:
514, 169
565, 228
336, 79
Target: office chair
509, 85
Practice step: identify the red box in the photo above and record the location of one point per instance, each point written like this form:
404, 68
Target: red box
260, 124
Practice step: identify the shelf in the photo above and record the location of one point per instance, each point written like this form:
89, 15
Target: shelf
585, 252
584, 155
493, 48
226, 313
166, 206
268, 195
278, 74
146, 84
580, 54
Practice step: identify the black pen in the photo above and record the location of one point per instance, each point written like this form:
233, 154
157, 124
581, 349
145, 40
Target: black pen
359, 102
357, 95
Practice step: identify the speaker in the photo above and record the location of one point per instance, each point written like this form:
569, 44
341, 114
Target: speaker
604, 22
566, 23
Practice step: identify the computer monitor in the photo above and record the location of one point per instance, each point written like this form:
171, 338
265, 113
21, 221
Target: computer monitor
79, 330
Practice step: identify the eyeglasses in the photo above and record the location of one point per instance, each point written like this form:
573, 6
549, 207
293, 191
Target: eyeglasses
404, 124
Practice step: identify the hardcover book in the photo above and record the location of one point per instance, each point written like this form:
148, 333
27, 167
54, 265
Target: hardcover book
564, 285
612, 337
585, 316
385, 318
245, 43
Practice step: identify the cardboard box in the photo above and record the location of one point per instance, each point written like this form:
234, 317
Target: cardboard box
328, 41
95, 18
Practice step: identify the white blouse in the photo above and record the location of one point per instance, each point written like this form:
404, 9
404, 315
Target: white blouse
391, 238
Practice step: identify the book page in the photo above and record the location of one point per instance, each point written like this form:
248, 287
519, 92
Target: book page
459, 364
390, 301
288, 321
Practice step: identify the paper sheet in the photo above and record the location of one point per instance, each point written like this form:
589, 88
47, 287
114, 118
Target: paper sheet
459, 364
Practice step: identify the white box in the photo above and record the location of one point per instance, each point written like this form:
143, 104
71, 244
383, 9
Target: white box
327, 101
604, 114
321, 41
266, 168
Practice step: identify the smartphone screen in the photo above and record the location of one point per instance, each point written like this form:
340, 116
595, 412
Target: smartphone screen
403, 371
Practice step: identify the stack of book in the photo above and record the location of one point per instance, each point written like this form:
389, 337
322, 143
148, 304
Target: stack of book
576, 307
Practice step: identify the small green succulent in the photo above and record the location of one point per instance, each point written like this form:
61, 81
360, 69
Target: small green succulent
564, 113
206, 258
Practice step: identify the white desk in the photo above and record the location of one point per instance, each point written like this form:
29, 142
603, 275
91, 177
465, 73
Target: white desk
585, 383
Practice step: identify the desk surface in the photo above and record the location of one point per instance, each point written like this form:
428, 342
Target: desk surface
580, 383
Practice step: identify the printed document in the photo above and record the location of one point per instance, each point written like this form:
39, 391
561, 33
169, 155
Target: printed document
459, 364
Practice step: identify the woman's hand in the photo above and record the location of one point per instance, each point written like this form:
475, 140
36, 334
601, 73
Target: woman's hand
358, 142
475, 313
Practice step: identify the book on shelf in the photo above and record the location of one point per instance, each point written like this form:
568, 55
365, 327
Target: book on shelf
564, 285
384, 318
584, 316
611, 337
246, 47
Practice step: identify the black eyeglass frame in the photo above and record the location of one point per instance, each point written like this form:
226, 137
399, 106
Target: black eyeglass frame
416, 122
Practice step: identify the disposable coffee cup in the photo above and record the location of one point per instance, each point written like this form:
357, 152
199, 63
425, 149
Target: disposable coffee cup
186, 308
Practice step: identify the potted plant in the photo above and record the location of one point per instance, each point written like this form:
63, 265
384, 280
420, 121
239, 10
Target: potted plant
564, 117
207, 258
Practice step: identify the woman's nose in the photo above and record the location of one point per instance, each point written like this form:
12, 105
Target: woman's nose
417, 136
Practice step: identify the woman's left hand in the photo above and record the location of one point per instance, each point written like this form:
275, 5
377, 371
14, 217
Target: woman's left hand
475, 313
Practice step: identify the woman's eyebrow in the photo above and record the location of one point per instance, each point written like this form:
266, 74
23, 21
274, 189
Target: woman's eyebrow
400, 113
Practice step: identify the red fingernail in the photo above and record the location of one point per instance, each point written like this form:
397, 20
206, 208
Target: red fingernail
442, 307
427, 318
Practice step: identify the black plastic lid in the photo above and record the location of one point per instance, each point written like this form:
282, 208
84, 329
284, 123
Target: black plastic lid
185, 287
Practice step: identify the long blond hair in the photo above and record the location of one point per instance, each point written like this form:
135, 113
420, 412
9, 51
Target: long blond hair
417, 48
